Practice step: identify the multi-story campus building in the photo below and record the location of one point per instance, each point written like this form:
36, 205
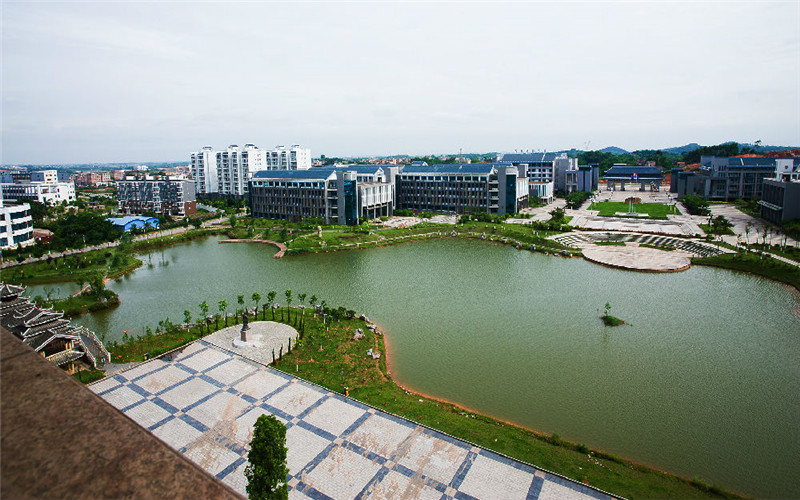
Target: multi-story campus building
585, 178
16, 225
47, 186
546, 172
172, 197
291, 158
334, 195
463, 188
780, 200
350, 194
728, 179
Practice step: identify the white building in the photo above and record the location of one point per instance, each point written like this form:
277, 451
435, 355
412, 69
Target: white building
547, 172
293, 158
16, 225
46, 186
204, 171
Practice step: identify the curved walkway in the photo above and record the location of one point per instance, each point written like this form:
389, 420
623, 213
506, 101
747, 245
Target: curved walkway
204, 401
281, 247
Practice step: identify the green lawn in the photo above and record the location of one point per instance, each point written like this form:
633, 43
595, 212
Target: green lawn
653, 210
756, 264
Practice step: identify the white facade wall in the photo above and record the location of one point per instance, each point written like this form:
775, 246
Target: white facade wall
16, 225
204, 171
375, 194
50, 193
293, 158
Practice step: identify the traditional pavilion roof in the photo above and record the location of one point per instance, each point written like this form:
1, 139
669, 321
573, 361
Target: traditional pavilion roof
10, 292
627, 171
38, 327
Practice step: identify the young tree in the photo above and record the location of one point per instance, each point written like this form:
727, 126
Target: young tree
271, 300
223, 305
256, 298
312, 302
266, 473
203, 313
187, 316
288, 294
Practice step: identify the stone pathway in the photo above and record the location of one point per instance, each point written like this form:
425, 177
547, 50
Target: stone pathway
204, 401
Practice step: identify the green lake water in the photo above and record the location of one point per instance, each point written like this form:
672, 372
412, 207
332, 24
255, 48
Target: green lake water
705, 381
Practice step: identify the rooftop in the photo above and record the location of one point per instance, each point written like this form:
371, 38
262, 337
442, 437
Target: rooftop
92, 451
451, 168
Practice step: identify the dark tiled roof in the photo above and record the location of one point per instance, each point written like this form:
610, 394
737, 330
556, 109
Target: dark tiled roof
752, 162
10, 292
526, 157
310, 174
451, 168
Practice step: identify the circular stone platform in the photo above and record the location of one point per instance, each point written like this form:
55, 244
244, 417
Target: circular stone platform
636, 258
262, 338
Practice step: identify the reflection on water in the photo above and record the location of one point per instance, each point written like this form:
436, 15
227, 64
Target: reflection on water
703, 381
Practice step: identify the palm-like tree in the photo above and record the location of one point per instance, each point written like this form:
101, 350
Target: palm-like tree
256, 298
271, 300
203, 312
240, 300
288, 294
223, 305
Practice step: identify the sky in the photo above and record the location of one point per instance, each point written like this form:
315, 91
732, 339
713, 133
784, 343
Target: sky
154, 81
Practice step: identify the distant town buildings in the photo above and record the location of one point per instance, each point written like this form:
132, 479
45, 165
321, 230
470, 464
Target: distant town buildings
549, 173
98, 178
46, 186
163, 196
16, 225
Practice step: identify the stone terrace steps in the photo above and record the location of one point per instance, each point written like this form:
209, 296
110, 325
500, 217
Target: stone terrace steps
582, 239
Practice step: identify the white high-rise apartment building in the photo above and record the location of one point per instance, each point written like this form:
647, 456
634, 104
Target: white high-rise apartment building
204, 171
235, 168
292, 158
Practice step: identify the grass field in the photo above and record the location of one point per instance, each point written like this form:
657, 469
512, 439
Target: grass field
653, 210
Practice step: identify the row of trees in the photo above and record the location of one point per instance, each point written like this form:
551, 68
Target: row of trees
298, 320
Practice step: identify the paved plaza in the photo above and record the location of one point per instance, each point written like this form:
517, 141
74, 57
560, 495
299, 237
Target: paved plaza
203, 402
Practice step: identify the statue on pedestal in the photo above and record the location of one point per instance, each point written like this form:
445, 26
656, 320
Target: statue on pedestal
245, 319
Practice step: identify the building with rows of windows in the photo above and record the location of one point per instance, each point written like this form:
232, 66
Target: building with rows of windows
354, 193
164, 196
16, 225
332, 195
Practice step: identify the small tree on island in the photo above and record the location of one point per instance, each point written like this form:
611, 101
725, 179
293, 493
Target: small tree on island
266, 472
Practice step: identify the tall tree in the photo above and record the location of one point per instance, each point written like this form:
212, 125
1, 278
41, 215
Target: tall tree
266, 473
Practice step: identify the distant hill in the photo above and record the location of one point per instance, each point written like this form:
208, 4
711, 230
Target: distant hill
680, 150
613, 150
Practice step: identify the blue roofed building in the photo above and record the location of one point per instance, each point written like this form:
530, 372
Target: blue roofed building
134, 222
626, 174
